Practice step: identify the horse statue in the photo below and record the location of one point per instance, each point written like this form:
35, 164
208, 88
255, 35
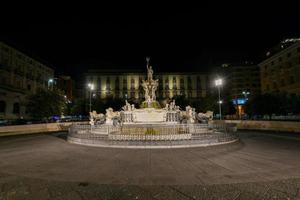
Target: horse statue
112, 116
96, 118
205, 117
188, 116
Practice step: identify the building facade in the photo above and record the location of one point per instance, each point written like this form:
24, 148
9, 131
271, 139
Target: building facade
66, 84
241, 79
280, 72
127, 84
20, 75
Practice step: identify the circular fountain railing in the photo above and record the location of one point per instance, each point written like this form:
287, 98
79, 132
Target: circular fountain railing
152, 135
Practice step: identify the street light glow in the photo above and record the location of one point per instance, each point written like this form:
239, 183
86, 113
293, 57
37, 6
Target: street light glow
218, 82
50, 80
91, 86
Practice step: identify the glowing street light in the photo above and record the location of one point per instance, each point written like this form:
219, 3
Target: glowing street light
50, 82
91, 88
218, 84
245, 93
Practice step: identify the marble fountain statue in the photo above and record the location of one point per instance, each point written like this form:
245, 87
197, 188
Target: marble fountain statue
151, 126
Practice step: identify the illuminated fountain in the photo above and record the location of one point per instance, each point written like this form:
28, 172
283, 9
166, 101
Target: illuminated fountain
151, 126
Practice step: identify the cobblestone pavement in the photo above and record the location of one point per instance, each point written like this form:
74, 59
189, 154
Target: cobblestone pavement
260, 166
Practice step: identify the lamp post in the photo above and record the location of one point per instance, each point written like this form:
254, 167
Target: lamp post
91, 88
50, 82
246, 93
219, 83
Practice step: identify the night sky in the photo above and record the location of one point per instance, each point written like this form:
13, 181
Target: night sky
73, 38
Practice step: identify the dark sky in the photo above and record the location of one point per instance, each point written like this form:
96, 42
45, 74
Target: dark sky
178, 37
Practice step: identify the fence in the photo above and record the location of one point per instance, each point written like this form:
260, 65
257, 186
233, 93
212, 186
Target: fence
155, 132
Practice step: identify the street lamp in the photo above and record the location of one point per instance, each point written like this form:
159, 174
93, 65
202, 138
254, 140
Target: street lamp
91, 88
219, 83
246, 93
50, 82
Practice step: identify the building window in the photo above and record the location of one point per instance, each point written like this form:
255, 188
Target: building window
280, 59
2, 106
124, 84
29, 87
99, 83
174, 83
16, 108
272, 63
140, 83
160, 83
182, 84
166, 84
132, 84
199, 83
117, 84
189, 94
189, 83
108, 83
167, 94
298, 49
289, 55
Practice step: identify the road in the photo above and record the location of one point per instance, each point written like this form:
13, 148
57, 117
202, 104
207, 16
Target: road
260, 166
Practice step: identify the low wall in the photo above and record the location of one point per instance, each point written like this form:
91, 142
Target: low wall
33, 128
283, 126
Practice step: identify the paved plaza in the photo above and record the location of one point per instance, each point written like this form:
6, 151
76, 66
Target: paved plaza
260, 166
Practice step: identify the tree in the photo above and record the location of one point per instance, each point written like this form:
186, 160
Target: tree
78, 107
46, 103
273, 103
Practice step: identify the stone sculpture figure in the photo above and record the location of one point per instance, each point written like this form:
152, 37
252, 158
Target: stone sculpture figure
110, 115
190, 114
96, 118
167, 107
127, 106
149, 85
206, 116
146, 89
149, 72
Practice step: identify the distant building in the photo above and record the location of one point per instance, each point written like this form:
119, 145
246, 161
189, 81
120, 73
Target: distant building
19, 75
127, 84
280, 71
66, 84
242, 78
241, 82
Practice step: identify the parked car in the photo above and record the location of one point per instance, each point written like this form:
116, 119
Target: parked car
3, 122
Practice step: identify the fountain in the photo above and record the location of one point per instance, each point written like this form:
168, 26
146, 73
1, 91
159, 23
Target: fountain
151, 126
